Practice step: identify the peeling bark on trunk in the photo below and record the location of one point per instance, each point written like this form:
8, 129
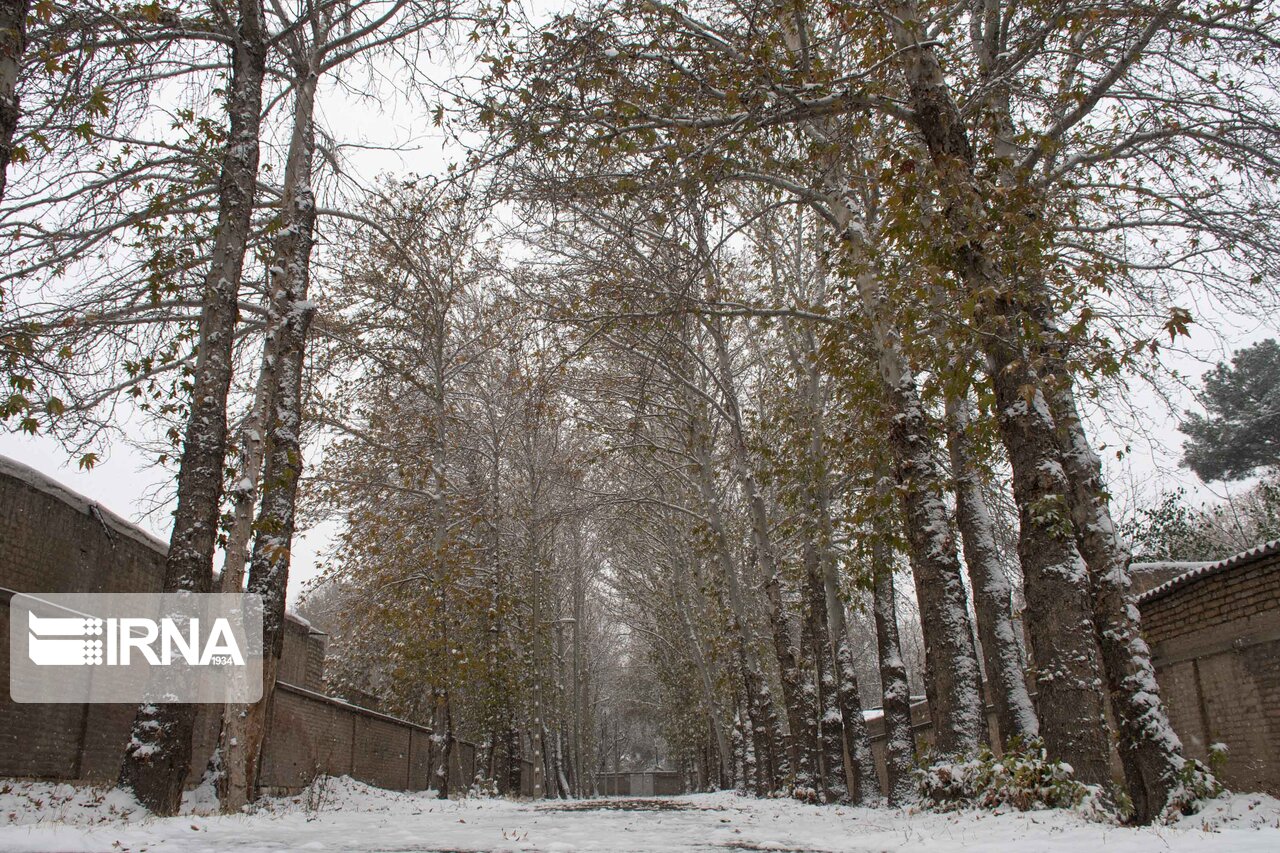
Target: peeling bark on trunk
158, 757
13, 42
992, 593
1150, 750
900, 743
1059, 609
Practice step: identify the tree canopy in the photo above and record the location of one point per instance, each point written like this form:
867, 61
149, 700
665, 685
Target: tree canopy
1241, 431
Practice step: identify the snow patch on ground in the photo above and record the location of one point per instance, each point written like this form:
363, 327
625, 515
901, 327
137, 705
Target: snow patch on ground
344, 815
24, 803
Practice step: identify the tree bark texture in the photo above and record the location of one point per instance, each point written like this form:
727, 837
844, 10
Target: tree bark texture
1059, 607
992, 592
158, 757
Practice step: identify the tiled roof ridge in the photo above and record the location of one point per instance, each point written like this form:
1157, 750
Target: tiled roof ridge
1243, 558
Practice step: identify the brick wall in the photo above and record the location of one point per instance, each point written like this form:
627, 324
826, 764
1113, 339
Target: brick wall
643, 783
54, 540
1215, 639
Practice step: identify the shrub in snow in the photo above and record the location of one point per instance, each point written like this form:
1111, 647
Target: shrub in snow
806, 794
1023, 778
482, 788
1196, 784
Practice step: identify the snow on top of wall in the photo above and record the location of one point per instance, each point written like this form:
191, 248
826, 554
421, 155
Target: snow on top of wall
1235, 561
51, 487
115, 524
1161, 565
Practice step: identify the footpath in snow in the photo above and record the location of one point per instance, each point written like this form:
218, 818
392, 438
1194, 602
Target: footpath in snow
342, 815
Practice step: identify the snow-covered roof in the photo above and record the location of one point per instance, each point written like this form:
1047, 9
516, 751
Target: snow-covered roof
1235, 561
1162, 565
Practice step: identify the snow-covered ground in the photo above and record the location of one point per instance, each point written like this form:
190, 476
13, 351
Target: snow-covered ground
348, 816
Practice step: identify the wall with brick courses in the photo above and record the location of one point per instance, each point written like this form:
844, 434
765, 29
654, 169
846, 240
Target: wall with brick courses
302, 657
1215, 640
643, 783
313, 734
52, 540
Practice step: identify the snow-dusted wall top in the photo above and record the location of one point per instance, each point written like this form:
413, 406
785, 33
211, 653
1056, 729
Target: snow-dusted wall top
36, 480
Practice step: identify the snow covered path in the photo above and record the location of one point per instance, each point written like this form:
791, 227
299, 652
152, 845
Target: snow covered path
353, 817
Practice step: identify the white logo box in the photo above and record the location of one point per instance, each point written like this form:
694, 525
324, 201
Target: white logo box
135, 647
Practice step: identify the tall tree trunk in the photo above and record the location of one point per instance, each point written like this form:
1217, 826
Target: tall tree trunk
957, 709
1059, 607
761, 715
13, 42
862, 779
244, 727
866, 790
515, 768
441, 739
253, 446
992, 592
951, 660
245, 498
952, 671
1150, 750
797, 694
682, 597
900, 743
817, 642
158, 758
